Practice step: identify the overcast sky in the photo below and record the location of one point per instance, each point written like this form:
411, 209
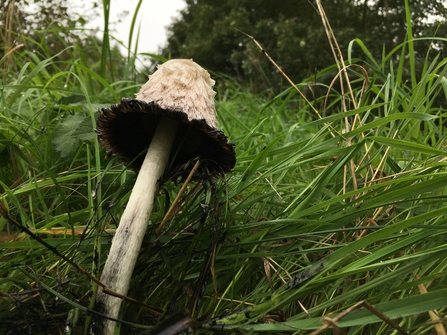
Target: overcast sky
153, 17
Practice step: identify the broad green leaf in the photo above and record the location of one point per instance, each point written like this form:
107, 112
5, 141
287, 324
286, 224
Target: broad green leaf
73, 130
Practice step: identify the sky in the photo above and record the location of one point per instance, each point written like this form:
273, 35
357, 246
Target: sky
154, 17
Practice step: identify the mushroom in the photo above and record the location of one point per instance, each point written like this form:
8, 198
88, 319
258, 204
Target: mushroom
174, 117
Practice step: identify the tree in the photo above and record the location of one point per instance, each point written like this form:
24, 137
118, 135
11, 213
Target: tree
54, 29
292, 33
46, 27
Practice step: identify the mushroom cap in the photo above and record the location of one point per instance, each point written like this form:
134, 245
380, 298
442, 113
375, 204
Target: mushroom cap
181, 84
181, 90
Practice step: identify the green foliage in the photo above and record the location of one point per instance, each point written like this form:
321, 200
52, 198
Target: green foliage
71, 131
292, 33
320, 213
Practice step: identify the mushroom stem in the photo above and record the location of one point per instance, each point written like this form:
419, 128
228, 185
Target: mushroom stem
129, 235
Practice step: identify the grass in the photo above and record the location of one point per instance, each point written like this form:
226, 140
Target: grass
320, 213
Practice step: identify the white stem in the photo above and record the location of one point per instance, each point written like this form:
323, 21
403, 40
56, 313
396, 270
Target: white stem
129, 235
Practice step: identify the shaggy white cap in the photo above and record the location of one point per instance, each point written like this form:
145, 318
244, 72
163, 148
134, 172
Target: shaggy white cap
183, 85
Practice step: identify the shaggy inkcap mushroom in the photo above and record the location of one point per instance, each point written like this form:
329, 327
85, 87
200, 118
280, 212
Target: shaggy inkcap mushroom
172, 120
181, 90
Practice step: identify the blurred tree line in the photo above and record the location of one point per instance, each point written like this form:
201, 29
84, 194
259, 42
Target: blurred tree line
292, 33
54, 28
46, 22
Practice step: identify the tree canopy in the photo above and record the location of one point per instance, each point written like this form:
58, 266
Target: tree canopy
292, 33
57, 28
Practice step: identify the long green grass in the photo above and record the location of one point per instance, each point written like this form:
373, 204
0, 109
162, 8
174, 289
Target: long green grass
322, 211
